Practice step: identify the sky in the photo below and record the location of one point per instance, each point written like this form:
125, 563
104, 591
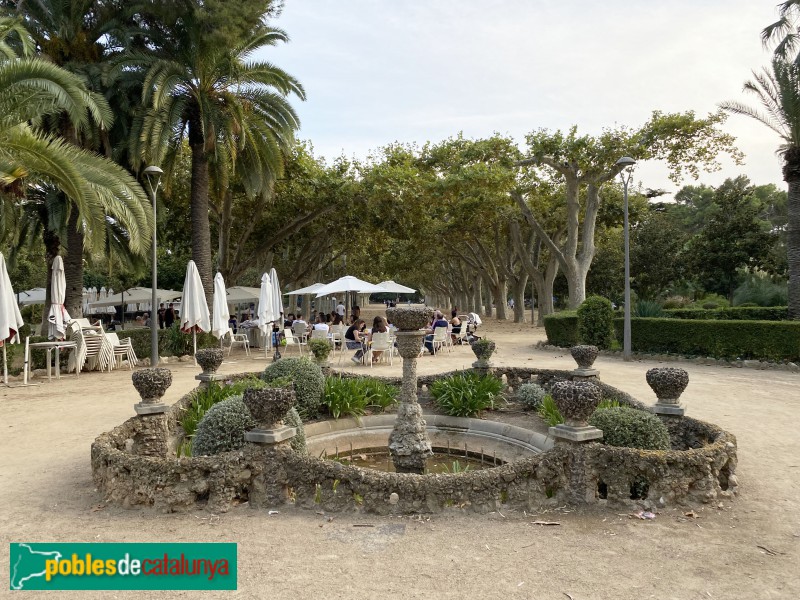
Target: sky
377, 72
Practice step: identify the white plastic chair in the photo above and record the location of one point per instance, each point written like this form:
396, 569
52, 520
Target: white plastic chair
292, 340
121, 348
440, 338
381, 342
233, 339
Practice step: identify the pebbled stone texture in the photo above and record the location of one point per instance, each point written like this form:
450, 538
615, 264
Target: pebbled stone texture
668, 383
151, 383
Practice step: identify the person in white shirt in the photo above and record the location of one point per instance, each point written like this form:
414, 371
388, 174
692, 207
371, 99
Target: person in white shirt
340, 310
319, 325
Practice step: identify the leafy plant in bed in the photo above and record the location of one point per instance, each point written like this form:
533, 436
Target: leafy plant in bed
466, 395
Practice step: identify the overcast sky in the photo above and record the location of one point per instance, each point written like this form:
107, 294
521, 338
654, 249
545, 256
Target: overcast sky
377, 71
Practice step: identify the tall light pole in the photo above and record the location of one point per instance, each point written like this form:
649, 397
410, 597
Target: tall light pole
153, 175
625, 162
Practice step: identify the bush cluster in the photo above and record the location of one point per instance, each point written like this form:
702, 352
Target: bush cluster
530, 395
309, 383
213, 394
320, 349
298, 442
596, 322
631, 428
222, 428
736, 313
351, 397
562, 328
760, 340
466, 395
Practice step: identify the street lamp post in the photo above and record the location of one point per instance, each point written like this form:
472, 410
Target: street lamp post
625, 162
153, 175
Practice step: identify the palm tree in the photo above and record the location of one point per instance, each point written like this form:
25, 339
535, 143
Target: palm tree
785, 32
232, 111
34, 161
778, 91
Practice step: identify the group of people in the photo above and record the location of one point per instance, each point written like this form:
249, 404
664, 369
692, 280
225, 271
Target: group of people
358, 338
454, 324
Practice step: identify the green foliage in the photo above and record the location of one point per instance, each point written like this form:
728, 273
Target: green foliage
595, 322
647, 308
631, 428
320, 349
353, 396
710, 302
222, 428
531, 395
656, 260
761, 291
737, 313
177, 343
562, 328
298, 442
215, 393
761, 340
309, 383
466, 394
456, 467
548, 411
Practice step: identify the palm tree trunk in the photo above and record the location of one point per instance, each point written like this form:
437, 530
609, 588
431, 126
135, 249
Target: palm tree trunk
73, 265
201, 230
791, 173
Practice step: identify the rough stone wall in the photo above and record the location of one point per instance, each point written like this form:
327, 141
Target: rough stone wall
700, 468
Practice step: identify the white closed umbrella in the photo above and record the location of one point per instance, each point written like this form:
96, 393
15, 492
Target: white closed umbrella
265, 313
194, 310
10, 317
277, 296
219, 314
58, 316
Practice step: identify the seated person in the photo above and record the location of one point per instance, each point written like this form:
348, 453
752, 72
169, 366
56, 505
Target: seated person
146, 321
379, 325
232, 322
320, 325
438, 321
337, 319
354, 340
456, 323
287, 323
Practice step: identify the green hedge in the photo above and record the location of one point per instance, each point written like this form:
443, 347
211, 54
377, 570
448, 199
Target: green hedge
761, 340
562, 328
736, 313
140, 338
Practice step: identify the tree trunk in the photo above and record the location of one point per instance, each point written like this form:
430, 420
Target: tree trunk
792, 176
73, 265
546, 306
487, 299
201, 230
518, 294
477, 296
577, 288
500, 293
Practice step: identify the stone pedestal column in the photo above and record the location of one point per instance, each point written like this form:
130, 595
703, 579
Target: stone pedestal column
408, 443
270, 438
576, 400
152, 435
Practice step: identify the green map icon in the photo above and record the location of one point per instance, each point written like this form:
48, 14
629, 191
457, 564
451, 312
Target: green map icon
28, 564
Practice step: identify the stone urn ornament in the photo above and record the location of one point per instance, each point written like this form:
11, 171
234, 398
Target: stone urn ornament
209, 359
151, 384
483, 349
409, 319
268, 407
576, 400
668, 384
584, 356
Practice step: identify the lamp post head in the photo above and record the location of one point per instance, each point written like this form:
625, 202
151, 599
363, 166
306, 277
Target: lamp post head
625, 161
153, 174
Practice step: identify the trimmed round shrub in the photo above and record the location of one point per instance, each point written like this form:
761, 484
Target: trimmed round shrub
596, 322
631, 428
298, 442
320, 349
530, 395
222, 428
309, 383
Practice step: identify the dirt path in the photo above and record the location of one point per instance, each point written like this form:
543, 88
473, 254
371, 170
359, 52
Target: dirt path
47, 494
